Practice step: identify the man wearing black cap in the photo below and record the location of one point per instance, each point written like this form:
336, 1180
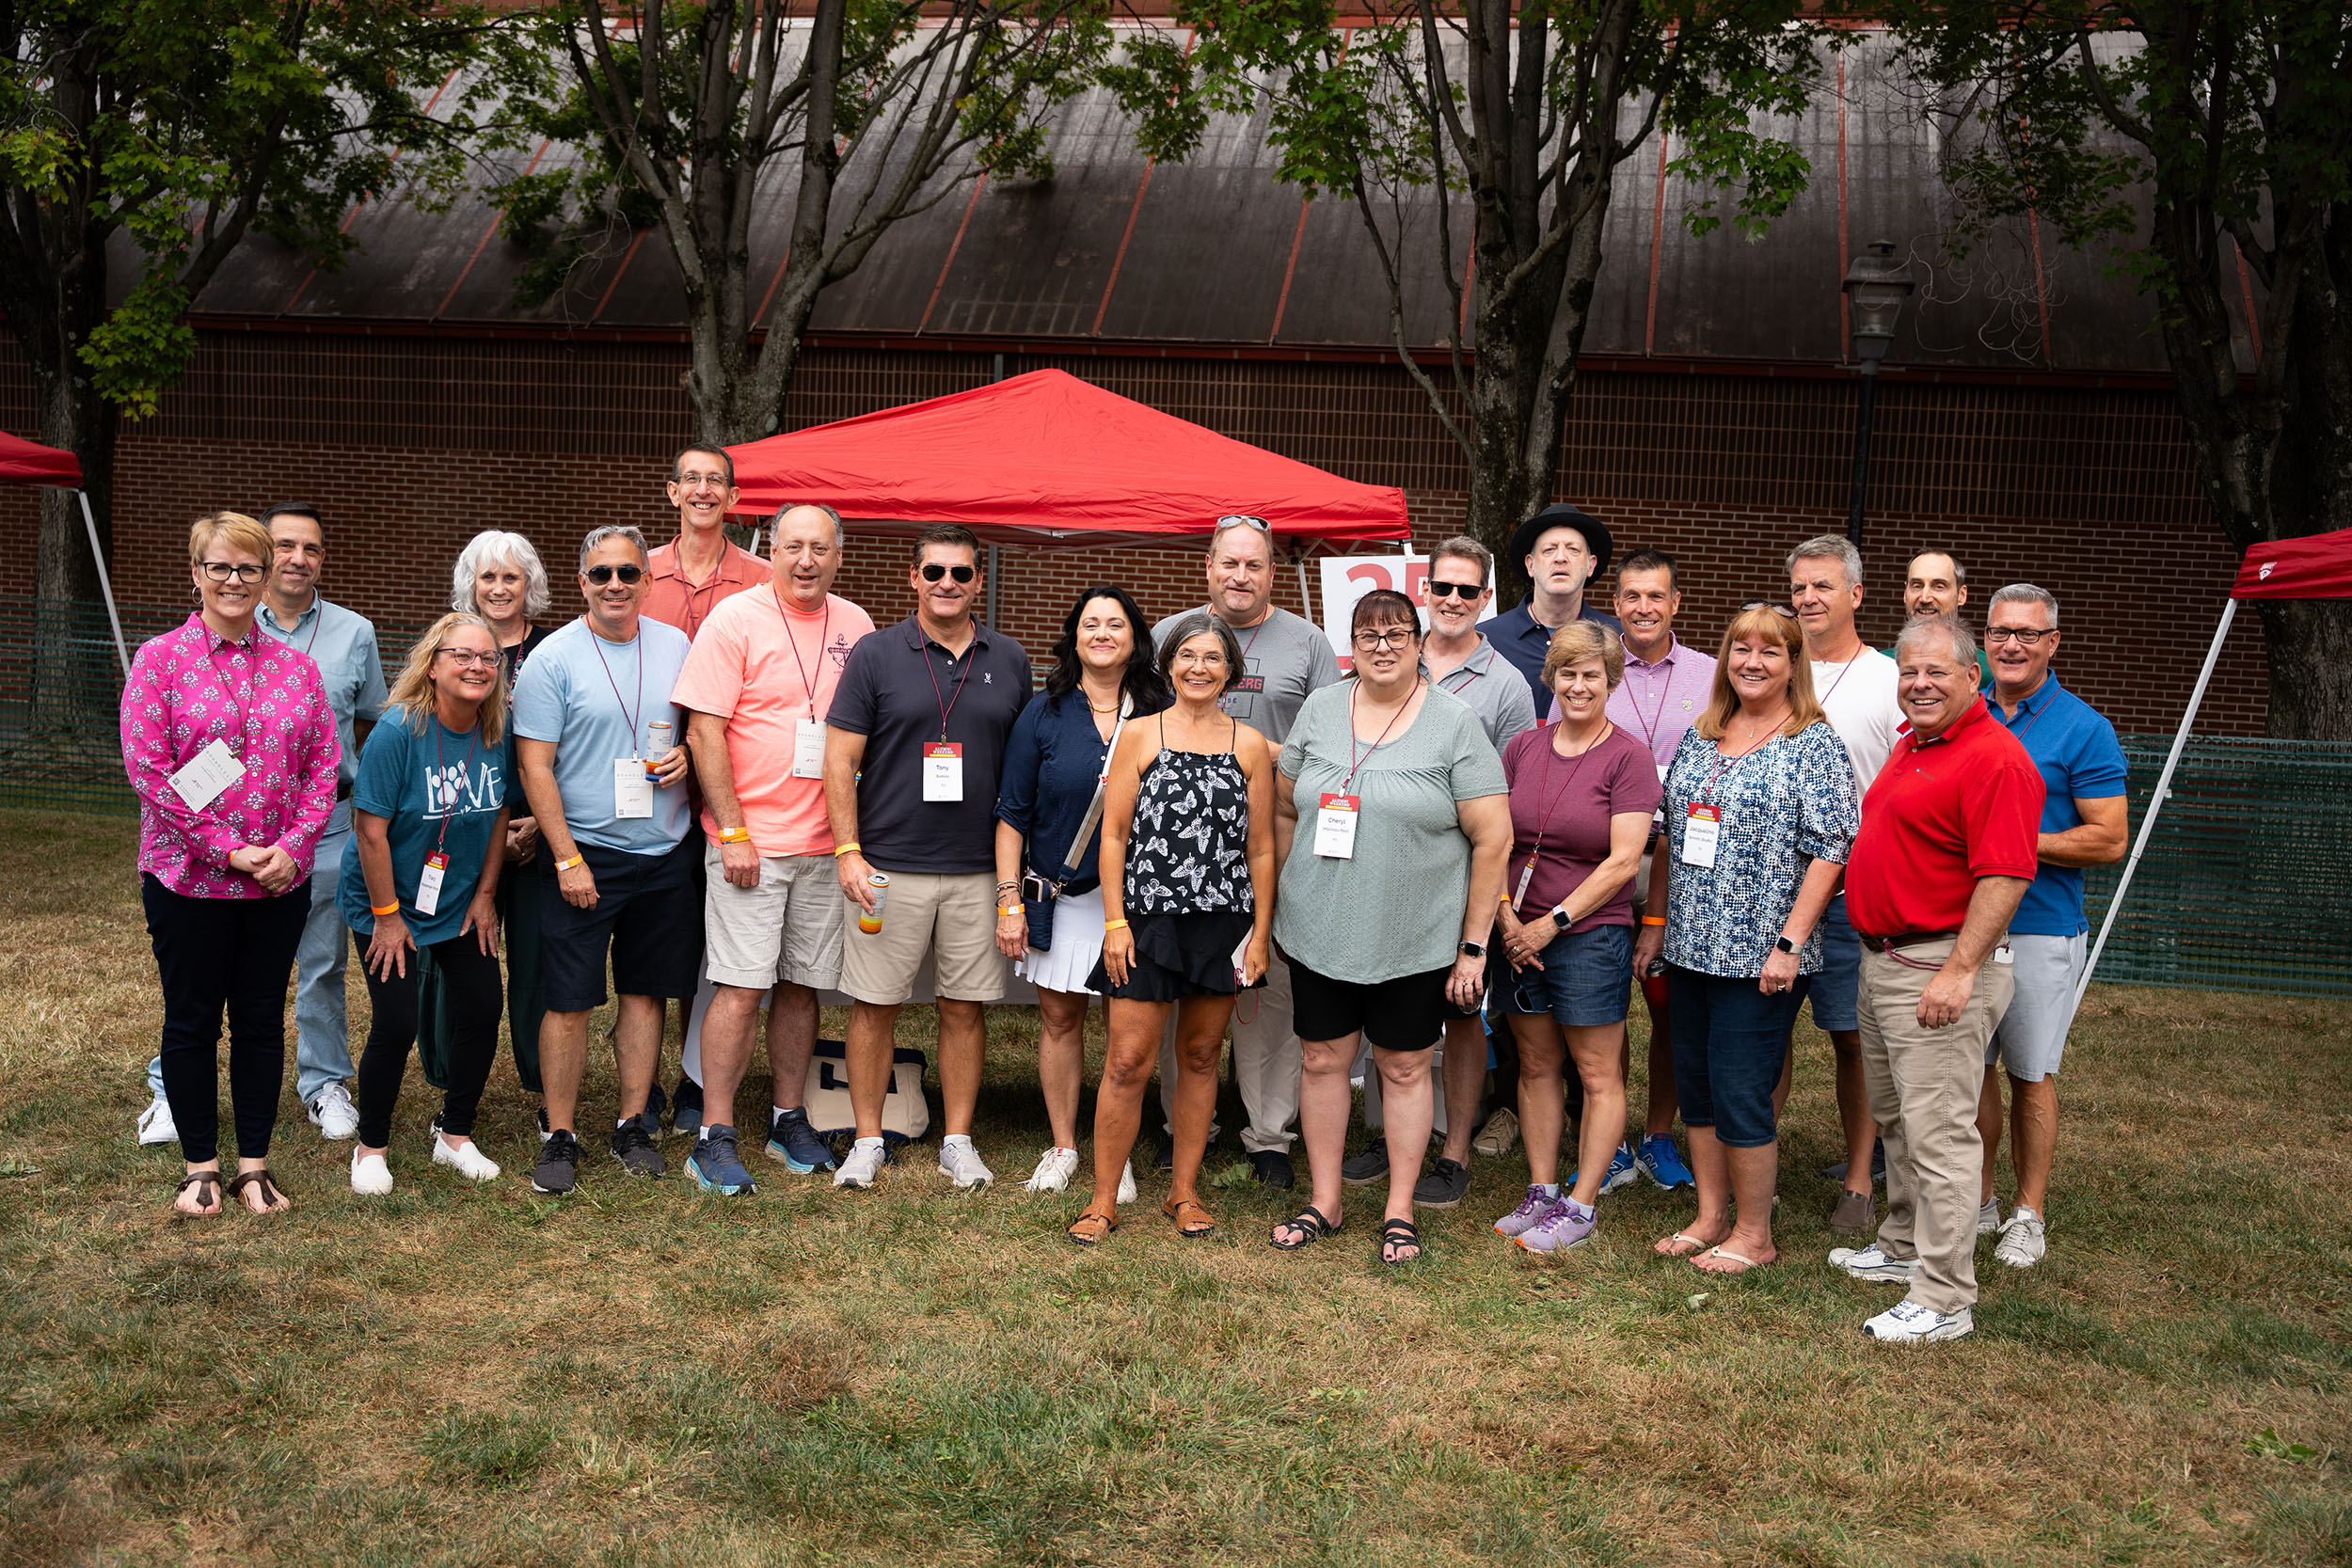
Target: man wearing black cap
1561, 549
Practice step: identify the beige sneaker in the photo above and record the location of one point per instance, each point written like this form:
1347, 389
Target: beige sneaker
1495, 1139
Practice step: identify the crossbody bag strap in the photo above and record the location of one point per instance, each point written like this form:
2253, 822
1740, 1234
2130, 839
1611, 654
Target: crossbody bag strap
1094, 817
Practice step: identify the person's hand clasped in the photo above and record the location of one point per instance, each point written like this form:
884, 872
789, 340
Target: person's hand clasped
1467, 982
1780, 974
578, 886
388, 949
1012, 935
481, 919
1946, 998
1119, 954
267, 864
741, 862
670, 767
522, 841
1521, 943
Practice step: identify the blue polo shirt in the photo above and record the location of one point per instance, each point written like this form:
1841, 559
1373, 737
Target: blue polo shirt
2080, 759
1520, 637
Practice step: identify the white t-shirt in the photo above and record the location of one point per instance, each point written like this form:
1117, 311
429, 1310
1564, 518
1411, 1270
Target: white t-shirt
1860, 701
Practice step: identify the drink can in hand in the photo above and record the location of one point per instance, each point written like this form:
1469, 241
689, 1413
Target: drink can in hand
660, 736
879, 885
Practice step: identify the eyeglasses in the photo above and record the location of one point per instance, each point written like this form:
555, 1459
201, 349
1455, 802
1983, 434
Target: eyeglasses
934, 571
703, 479
1785, 611
1243, 519
1447, 589
466, 655
221, 571
602, 575
2026, 635
1373, 641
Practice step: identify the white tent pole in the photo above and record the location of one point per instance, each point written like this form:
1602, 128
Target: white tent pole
1305, 601
104, 585
2156, 802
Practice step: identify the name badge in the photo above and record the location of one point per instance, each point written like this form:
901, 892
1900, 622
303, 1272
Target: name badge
808, 748
1700, 831
1526, 875
632, 791
943, 770
207, 773
1335, 826
2002, 955
429, 884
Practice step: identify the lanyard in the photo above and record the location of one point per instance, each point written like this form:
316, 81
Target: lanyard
1543, 818
809, 686
946, 704
1725, 764
635, 743
1843, 670
441, 780
1347, 784
228, 697
1651, 722
2031, 719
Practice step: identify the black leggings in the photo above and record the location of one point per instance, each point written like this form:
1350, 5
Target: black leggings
469, 982
216, 953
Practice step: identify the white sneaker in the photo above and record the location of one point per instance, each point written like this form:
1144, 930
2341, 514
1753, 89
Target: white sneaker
2021, 1243
1868, 1262
370, 1176
960, 1162
1907, 1323
1989, 1217
467, 1160
1127, 1183
155, 1123
333, 1114
865, 1160
1053, 1171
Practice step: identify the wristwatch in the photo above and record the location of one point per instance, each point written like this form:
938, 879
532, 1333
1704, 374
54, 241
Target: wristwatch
1783, 942
1560, 916
1473, 950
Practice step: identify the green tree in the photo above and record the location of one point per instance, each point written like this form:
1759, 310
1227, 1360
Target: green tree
2234, 119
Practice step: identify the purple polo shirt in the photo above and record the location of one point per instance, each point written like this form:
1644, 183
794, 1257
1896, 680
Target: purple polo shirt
1657, 702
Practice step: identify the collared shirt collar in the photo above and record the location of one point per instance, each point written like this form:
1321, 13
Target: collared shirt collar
1480, 661
918, 639
2042, 696
668, 560
1673, 646
317, 606
213, 641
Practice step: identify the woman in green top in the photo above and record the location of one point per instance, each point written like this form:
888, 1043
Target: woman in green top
1391, 822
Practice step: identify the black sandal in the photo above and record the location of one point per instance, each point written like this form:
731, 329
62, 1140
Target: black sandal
271, 1197
1397, 1233
199, 1179
1310, 1220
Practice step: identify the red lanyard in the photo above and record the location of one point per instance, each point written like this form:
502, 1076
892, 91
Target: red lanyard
441, 780
252, 666
948, 704
809, 686
636, 742
1843, 670
1543, 818
1348, 783
1650, 722
1725, 764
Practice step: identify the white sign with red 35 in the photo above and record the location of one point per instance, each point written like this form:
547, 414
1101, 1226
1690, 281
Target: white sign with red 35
1349, 577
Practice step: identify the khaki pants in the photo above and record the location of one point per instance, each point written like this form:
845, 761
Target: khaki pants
1266, 1063
1923, 1085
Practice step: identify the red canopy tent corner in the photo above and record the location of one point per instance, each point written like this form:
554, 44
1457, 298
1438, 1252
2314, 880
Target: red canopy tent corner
2318, 566
30, 463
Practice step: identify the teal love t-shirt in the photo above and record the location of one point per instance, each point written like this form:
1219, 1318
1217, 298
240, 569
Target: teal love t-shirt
437, 790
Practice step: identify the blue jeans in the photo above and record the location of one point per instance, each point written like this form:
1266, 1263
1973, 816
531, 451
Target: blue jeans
1729, 1039
321, 1031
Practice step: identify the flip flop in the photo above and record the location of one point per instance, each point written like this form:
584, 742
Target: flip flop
1182, 1210
1728, 1257
1088, 1229
1310, 1220
1669, 1249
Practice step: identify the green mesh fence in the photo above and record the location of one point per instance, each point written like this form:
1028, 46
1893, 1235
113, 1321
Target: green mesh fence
2232, 894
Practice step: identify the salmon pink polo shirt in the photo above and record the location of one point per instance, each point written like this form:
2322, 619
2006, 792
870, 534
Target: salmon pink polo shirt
1941, 814
764, 668
670, 597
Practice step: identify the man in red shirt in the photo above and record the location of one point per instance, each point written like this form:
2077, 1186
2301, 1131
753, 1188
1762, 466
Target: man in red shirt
1946, 851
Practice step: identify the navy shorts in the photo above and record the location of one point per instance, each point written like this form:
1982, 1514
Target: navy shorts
649, 913
1408, 1013
1835, 991
1729, 1040
1583, 983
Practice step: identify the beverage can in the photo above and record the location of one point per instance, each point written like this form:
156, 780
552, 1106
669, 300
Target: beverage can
660, 736
878, 884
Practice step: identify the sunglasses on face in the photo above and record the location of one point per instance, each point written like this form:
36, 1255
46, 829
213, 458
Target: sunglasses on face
602, 575
934, 571
1447, 589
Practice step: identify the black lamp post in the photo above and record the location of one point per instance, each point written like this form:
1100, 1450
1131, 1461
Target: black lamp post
1876, 284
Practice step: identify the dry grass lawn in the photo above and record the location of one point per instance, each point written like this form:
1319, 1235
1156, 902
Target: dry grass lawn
639, 1375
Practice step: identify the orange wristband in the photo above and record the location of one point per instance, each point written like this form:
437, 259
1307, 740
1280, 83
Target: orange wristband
1653, 920
393, 907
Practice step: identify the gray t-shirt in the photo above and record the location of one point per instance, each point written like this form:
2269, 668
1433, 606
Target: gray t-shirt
1284, 657
1395, 908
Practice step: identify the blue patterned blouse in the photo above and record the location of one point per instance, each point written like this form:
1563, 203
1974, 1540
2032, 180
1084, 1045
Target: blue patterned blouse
1788, 802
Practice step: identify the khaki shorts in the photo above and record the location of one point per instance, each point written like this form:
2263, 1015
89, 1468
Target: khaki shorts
956, 914
789, 927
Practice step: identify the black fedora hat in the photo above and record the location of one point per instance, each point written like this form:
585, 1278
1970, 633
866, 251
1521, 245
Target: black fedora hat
1561, 514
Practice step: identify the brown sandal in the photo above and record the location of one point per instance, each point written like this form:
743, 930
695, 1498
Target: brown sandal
271, 1197
1089, 1229
200, 1179
1182, 1210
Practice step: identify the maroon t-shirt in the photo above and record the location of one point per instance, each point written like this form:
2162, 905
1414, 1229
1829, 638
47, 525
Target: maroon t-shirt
1568, 802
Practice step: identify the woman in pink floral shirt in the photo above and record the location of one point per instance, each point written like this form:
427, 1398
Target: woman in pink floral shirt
231, 747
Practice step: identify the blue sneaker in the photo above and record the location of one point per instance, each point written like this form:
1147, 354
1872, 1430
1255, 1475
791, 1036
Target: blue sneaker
1662, 1163
716, 1167
791, 1140
686, 1107
1623, 1168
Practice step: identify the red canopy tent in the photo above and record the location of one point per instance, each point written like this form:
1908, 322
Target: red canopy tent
28, 463
1048, 459
2318, 566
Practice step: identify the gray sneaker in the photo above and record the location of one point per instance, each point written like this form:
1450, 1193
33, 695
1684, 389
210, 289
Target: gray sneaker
634, 1147
2022, 1242
1369, 1166
1989, 1217
559, 1163
1443, 1187
717, 1166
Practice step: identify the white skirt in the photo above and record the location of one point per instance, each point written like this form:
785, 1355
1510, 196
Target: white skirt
1077, 942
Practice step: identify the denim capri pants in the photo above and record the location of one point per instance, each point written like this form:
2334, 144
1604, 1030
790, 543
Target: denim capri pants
1729, 1040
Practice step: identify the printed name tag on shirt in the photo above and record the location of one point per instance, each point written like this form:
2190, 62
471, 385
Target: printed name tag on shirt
1250, 682
943, 770
632, 792
808, 748
1700, 833
429, 884
207, 773
1335, 826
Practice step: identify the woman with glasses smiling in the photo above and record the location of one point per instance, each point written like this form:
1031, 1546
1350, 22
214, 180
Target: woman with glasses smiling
232, 748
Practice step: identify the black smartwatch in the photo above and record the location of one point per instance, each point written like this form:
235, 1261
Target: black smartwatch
1473, 950
1783, 942
1560, 917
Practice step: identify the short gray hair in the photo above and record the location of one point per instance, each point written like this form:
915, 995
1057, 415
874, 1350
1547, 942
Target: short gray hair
606, 534
1963, 647
2025, 592
1463, 547
496, 547
1191, 624
840, 534
1830, 547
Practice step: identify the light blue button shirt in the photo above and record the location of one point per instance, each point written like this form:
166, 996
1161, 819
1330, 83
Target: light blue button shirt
341, 644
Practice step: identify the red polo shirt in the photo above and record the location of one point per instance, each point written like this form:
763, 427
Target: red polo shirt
1942, 813
670, 597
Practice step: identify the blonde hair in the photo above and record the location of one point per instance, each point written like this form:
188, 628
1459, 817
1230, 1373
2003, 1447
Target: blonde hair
413, 693
233, 527
1766, 624
1580, 641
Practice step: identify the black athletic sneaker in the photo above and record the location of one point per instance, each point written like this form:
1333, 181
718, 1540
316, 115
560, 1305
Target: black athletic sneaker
1369, 1166
655, 1104
559, 1163
1443, 1187
686, 1107
634, 1147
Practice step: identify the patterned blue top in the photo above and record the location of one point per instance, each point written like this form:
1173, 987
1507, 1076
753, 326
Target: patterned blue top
1788, 803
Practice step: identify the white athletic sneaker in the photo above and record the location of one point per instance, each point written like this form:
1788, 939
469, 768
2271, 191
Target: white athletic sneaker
865, 1160
1868, 1262
1907, 1323
960, 1162
1127, 1183
2022, 1245
1989, 1217
467, 1160
155, 1123
333, 1114
1053, 1171
370, 1176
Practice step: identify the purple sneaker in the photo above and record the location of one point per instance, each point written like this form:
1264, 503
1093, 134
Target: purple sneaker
1522, 1218
1559, 1228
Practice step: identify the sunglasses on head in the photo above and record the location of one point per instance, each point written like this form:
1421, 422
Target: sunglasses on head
1447, 589
602, 575
934, 571
1785, 611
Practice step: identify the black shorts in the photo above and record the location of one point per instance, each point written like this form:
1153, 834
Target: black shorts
649, 912
1408, 1013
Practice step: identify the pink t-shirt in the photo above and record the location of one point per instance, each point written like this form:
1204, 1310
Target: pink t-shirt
1560, 812
763, 669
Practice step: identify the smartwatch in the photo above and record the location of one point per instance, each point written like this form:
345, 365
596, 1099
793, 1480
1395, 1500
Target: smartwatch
1560, 916
1473, 950
1783, 942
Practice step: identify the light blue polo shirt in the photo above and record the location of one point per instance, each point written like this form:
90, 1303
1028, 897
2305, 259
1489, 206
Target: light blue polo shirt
594, 699
2080, 760
342, 643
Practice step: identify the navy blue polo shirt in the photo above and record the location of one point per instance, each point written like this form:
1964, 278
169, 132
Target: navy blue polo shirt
893, 692
2080, 759
1520, 637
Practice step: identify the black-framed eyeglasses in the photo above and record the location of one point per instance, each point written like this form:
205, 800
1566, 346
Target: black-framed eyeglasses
1785, 611
1447, 590
1373, 641
934, 571
602, 575
2023, 636
221, 571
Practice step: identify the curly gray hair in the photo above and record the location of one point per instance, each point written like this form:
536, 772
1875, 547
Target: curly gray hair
495, 547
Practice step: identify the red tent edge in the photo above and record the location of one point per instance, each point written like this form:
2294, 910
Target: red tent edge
23, 462
2318, 566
